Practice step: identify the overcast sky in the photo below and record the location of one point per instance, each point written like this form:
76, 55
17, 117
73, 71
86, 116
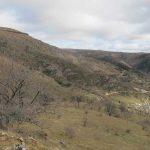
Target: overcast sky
117, 25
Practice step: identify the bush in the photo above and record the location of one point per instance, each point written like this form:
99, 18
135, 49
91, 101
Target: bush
69, 132
111, 108
77, 99
123, 107
62, 81
145, 124
128, 131
41, 134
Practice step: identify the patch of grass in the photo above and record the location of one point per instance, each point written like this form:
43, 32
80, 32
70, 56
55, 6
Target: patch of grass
126, 99
102, 131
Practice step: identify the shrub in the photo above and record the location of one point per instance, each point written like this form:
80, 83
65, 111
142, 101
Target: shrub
62, 81
69, 132
145, 124
85, 120
77, 99
128, 131
123, 107
41, 134
111, 108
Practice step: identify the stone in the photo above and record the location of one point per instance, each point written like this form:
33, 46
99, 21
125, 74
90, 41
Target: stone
20, 147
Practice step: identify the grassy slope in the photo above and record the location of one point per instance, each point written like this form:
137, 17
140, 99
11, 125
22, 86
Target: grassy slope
101, 133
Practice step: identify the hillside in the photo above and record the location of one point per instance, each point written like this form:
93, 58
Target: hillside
68, 99
74, 67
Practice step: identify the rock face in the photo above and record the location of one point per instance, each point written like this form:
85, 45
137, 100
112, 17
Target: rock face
20, 147
10, 141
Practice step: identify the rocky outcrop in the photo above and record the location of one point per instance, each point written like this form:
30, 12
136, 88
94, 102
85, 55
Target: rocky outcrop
20, 147
10, 141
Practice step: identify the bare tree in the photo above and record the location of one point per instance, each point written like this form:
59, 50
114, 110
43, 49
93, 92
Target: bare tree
85, 119
15, 102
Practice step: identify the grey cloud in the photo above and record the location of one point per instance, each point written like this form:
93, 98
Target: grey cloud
99, 24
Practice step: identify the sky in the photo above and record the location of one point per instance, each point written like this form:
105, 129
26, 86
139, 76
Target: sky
113, 25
